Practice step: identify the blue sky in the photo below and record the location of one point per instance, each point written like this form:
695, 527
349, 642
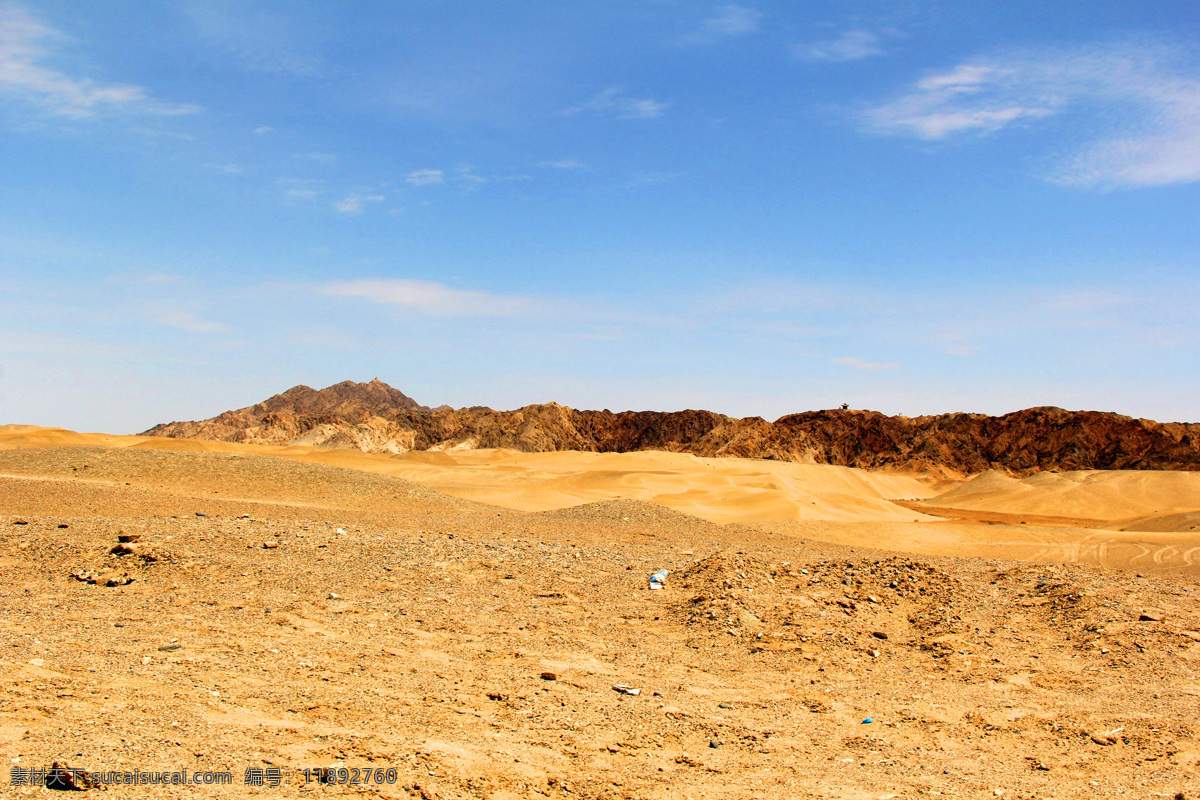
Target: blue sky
755, 208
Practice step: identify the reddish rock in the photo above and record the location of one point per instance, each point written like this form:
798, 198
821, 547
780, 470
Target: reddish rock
374, 417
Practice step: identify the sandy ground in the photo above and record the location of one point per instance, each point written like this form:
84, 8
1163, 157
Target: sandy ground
284, 613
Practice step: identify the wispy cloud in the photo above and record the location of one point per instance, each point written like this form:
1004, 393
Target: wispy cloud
466, 179
262, 130
652, 178
25, 43
565, 163
729, 20
614, 102
1140, 98
262, 40
849, 46
430, 297
189, 322
866, 366
353, 203
320, 158
425, 177
228, 169
299, 190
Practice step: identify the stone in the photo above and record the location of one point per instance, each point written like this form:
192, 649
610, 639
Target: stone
62, 778
748, 620
1152, 616
549, 676
879, 634
270, 545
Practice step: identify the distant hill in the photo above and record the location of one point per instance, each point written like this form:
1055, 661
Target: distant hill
376, 418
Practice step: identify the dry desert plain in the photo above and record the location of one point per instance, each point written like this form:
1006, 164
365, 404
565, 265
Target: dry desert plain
462, 618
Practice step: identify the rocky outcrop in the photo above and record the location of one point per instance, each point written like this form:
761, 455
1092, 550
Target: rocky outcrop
376, 418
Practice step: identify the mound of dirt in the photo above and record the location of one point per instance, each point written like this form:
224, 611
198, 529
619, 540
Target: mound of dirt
629, 514
839, 603
228, 474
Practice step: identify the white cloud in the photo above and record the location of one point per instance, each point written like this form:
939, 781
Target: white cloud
430, 297
613, 101
1138, 108
262, 130
867, 366
652, 178
729, 20
299, 195
467, 180
425, 177
566, 163
850, 46
229, 169
320, 158
353, 203
186, 321
299, 189
25, 43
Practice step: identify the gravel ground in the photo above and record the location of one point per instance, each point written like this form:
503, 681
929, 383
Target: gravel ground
288, 615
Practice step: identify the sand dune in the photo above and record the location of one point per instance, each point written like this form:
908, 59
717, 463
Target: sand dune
719, 490
1152, 500
1137, 520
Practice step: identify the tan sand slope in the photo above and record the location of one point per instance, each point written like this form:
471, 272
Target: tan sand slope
716, 489
1120, 519
1147, 500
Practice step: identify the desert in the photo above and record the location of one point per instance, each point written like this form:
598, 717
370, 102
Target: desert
481, 623
600, 400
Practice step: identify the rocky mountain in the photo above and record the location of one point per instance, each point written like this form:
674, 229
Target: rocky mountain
376, 418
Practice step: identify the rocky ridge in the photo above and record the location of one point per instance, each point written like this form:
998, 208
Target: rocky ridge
375, 418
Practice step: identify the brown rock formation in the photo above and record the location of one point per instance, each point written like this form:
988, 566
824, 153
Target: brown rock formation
374, 417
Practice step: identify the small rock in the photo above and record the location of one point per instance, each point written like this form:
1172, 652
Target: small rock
62, 778
270, 545
63, 526
872, 599
625, 689
868, 720
713, 744
126, 538
549, 676
879, 634
19, 522
333, 596
201, 514
103, 578
1152, 616
167, 648
748, 620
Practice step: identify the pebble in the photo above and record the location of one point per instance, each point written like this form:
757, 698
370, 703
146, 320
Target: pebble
879, 634
270, 545
868, 720
549, 676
